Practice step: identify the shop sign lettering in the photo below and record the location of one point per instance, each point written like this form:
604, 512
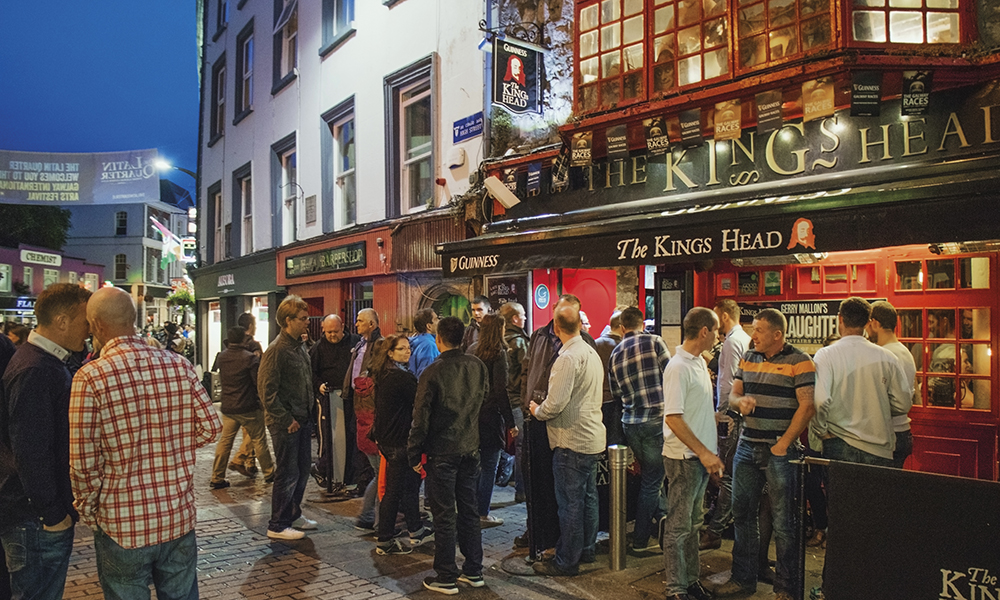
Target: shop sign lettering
467, 263
341, 258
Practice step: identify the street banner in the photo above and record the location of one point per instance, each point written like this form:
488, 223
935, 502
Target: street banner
657, 140
78, 178
817, 99
516, 84
617, 141
691, 135
866, 93
916, 92
582, 144
728, 120
769, 116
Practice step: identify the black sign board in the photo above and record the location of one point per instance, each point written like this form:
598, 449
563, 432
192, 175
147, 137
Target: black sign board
866, 93
916, 92
534, 179
768, 112
691, 135
617, 140
331, 260
582, 143
507, 288
516, 77
657, 141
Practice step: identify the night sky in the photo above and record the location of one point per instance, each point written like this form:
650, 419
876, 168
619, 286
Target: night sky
100, 76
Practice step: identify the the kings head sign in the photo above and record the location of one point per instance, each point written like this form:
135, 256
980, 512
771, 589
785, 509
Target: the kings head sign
516, 77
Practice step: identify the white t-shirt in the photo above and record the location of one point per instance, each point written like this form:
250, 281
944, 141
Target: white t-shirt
902, 422
687, 391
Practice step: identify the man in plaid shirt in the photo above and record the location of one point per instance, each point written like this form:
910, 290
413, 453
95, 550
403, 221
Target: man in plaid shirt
636, 376
137, 414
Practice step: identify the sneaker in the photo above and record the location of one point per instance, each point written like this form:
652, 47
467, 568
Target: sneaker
286, 534
473, 580
218, 485
320, 478
490, 521
650, 549
393, 547
364, 526
440, 587
709, 540
424, 535
696, 591
521, 541
304, 522
734, 588
818, 539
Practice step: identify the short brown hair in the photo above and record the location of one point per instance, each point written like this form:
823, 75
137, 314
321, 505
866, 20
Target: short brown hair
774, 317
59, 299
422, 319
698, 318
631, 318
290, 308
855, 312
728, 306
885, 314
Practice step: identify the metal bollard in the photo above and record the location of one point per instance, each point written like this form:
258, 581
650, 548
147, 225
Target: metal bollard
618, 460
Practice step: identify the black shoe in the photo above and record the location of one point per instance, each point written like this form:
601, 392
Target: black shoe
521, 541
550, 569
766, 576
320, 479
440, 587
698, 592
519, 497
709, 540
392, 548
239, 468
218, 485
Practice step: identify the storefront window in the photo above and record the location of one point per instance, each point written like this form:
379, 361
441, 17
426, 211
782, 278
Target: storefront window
957, 373
909, 276
941, 274
774, 30
974, 272
260, 313
906, 21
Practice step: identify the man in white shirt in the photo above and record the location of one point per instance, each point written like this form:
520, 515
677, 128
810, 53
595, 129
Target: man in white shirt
859, 388
690, 443
734, 346
881, 329
572, 411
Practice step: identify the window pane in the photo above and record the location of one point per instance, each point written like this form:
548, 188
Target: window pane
633, 84
690, 70
688, 41
715, 33
869, 2
751, 20
611, 65
974, 393
632, 30
942, 28
917, 352
716, 63
942, 4
869, 26
942, 358
610, 92
588, 44
811, 7
941, 274
908, 274
784, 42
816, 32
974, 273
689, 12
588, 95
633, 58
611, 10
588, 18
588, 70
975, 359
714, 7
906, 27
781, 12
906, 4
418, 128
910, 323
941, 323
663, 19
632, 7
664, 75
974, 323
752, 51
419, 179
610, 37
346, 150
350, 198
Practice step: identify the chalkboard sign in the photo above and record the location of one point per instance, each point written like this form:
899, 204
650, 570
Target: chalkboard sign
507, 288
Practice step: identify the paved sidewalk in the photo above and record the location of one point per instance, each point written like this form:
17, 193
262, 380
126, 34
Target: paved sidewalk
237, 560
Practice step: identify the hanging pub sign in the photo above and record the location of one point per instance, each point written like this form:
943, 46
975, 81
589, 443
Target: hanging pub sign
657, 141
817, 99
768, 112
728, 122
916, 92
534, 178
866, 93
617, 140
582, 143
515, 77
691, 128
510, 178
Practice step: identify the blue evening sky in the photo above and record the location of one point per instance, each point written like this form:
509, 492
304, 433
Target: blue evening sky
100, 76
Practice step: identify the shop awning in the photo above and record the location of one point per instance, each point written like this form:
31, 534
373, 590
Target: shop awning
952, 201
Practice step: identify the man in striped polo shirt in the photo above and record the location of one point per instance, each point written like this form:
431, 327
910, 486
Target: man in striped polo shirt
773, 390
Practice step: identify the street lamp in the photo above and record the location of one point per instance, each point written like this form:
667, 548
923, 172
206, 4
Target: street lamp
165, 166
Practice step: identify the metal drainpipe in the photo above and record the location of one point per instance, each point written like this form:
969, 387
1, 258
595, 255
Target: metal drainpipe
617, 463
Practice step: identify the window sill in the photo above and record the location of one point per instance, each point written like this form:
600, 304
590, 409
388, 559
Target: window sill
241, 116
283, 82
215, 138
336, 42
218, 33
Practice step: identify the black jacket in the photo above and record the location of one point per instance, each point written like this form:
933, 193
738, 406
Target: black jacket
331, 361
285, 383
496, 416
394, 395
238, 375
446, 413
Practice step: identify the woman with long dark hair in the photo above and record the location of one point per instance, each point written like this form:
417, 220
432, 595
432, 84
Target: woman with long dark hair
395, 392
495, 417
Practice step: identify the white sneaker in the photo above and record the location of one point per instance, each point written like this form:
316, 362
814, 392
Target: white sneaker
286, 534
490, 521
304, 523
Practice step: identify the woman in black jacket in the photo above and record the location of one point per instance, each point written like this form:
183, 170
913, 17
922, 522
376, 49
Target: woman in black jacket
495, 417
395, 391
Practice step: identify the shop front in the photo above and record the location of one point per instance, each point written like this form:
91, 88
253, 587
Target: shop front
889, 207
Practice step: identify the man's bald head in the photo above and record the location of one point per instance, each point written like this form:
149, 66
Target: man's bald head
333, 328
111, 312
567, 320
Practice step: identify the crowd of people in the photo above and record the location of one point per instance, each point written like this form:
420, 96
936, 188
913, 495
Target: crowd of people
437, 411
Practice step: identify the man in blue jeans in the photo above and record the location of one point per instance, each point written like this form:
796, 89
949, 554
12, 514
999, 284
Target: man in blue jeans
572, 412
445, 427
636, 377
773, 391
284, 382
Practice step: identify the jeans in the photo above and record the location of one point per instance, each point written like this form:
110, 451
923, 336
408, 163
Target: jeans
37, 560
904, 448
722, 516
646, 442
518, 475
126, 573
686, 483
402, 493
837, 449
575, 478
293, 458
253, 425
753, 466
452, 482
369, 505
488, 461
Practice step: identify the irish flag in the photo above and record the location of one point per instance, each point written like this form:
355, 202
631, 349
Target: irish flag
172, 247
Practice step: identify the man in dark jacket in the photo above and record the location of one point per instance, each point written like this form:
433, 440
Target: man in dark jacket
517, 348
36, 499
240, 407
480, 306
363, 402
285, 387
330, 358
446, 428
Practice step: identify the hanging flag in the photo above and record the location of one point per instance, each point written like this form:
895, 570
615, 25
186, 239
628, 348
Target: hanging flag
817, 99
173, 249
